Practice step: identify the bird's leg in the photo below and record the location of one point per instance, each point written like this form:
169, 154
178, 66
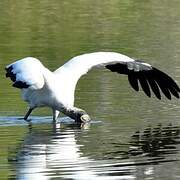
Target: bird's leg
55, 115
28, 113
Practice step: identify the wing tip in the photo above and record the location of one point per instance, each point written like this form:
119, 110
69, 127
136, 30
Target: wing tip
20, 84
150, 80
9, 73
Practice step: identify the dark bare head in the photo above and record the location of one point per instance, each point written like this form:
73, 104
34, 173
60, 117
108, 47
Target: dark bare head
79, 115
82, 117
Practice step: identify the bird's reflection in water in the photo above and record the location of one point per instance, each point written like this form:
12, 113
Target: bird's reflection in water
155, 142
57, 152
152, 145
53, 153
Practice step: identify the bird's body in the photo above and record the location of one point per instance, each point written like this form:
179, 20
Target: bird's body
41, 87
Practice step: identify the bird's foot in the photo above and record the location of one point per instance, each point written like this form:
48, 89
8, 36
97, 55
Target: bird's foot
27, 120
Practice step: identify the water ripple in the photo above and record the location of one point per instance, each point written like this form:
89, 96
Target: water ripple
18, 120
45, 153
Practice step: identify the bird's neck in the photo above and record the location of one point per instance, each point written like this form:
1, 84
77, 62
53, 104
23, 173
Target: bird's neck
48, 77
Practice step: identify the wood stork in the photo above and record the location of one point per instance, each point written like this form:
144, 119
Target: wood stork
41, 87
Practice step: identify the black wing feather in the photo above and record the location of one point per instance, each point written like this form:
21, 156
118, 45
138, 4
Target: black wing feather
12, 76
154, 88
174, 92
133, 80
149, 79
166, 79
144, 84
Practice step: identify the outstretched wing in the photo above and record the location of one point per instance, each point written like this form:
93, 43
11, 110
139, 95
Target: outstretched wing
138, 72
153, 79
26, 73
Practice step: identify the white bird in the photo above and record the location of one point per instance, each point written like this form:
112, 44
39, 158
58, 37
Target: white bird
41, 87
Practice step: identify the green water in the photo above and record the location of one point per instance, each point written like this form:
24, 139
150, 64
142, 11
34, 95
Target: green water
55, 31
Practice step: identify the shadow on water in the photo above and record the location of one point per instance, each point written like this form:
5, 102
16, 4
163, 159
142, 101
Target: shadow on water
156, 142
152, 146
57, 151
153, 142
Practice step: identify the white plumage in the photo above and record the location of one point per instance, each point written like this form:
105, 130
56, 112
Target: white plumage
41, 87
